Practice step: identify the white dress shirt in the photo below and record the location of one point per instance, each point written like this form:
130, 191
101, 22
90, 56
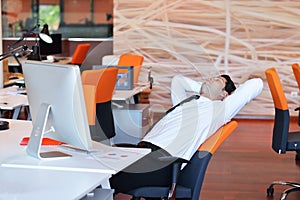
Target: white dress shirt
182, 131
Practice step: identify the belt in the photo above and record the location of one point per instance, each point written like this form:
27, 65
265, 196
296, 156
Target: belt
144, 144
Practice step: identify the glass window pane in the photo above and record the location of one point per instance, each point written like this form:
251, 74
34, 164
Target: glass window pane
72, 18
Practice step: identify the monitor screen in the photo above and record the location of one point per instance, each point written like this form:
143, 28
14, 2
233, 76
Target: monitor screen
51, 48
57, 105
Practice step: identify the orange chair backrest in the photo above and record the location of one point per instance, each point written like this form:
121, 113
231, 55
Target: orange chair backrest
296, 70
80, 53
132, 60
275, 86
104, 80
215, 140
89, 92
98, 86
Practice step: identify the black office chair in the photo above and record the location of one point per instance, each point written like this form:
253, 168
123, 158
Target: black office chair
282, 140
98, 86
190, 178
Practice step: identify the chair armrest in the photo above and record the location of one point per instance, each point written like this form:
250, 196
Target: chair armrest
176, 166
172, 158
177, 162
125, 145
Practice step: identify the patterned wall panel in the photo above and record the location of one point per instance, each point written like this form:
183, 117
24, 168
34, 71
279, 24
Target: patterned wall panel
204, 38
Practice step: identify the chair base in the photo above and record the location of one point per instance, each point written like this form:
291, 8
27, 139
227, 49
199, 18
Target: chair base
295, 187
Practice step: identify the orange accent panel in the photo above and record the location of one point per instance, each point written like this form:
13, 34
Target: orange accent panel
90, 104
296, 70
80, 53
214, 141
132, 60
275, 86
45, 141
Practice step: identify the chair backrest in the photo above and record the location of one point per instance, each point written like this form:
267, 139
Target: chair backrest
104, 80
193, 174
80, 53
132, 60
110, 60
296, 71
275, 86
89, 92
100, 85
282, 116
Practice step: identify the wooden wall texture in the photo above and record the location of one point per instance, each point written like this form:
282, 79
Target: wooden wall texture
203, 38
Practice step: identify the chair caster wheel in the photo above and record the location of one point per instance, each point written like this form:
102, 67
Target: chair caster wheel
270, 191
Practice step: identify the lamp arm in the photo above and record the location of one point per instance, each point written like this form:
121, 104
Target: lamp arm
13, 50
5, 55
10, 47
13, 53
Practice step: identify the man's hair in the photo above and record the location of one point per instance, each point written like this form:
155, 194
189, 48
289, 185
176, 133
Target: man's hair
229, 86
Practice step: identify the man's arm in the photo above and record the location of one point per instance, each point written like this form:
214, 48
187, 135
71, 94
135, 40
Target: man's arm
181, 87
243, 95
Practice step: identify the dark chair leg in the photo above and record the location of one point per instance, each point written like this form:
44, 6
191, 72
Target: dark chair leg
287, 191
270, 189
297, 156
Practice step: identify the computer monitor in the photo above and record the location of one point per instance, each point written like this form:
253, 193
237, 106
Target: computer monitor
53, 48
57, 106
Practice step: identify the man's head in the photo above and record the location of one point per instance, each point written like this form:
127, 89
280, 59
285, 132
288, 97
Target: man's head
217, 88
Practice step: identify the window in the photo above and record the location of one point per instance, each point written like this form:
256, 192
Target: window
71, 18
50, 14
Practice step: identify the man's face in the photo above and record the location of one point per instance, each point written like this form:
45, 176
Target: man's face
213, 88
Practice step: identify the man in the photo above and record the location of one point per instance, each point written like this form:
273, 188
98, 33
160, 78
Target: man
216, 88
181, 131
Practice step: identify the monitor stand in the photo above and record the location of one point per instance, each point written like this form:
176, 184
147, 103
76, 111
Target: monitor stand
36, 137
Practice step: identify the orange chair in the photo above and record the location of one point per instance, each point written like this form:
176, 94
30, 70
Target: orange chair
282, 139
132, 60
98, 86
190, 178
296, 71
80, 54
136, 61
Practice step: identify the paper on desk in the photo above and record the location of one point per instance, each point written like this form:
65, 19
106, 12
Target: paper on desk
120, 154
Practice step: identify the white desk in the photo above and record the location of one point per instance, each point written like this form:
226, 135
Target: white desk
92, 169
12, 99
29, 184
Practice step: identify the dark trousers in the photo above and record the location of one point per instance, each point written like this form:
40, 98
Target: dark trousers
148, 171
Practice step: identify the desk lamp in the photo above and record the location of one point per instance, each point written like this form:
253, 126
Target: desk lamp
13, 50
43, 35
